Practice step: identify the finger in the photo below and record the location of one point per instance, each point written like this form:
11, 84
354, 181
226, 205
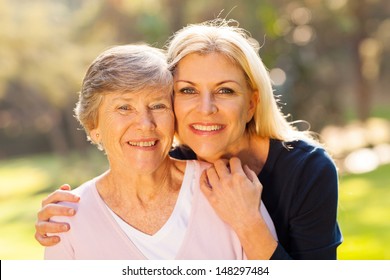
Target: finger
212, 177
65, 187
205, 186
60, 195
225, 161
252, 175
235, 165
221, 167
249, 173
43, 228
51, 210
204, 181
47, 240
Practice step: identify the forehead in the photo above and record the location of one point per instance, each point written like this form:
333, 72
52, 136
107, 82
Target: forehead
212, 65
146, 95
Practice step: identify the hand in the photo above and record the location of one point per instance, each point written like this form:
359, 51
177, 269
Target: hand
50, 209
234, 192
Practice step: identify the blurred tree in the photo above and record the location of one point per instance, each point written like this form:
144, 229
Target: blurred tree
332, 54
325, 57
121, 22
46, 68
367, 49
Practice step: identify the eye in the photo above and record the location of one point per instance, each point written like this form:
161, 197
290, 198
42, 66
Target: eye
125, 108
187, 90
226, 91
158, 106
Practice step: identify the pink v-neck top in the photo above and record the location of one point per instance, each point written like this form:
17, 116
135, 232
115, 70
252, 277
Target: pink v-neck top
96, 234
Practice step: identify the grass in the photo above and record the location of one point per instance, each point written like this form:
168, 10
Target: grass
364, 211
364, 215
379, 111
24, 182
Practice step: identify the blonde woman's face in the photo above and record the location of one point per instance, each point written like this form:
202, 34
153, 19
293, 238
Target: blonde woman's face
213, 104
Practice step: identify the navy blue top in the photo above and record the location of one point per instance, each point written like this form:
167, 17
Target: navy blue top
300, 192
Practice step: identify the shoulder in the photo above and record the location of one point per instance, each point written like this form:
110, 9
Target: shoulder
299, 153
85, 189
301, 164
295, 147
310, 168
86, 192
301, 176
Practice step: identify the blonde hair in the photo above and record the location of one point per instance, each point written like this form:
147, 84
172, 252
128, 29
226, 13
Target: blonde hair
127, 68
226, 38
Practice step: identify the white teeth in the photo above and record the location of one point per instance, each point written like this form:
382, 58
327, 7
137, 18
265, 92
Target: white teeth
207, 127
143, 143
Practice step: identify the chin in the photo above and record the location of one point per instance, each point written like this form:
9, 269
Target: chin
208, 154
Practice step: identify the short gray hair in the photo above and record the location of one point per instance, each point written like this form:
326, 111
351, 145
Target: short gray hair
127, 68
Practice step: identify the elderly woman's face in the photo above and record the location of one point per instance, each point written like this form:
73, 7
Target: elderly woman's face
136, 128
213, 104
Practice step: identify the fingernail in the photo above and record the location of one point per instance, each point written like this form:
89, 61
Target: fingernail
65, 227
71, 211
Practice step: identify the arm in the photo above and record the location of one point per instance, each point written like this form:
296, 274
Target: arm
50, 209
313, 229
235, 196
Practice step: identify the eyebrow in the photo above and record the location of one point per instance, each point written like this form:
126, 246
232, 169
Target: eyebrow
151, 96
122, 98
219, 83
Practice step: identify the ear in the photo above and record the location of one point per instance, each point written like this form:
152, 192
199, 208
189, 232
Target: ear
253, 101
95, 135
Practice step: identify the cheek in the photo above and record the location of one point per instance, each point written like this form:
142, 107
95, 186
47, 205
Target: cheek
236, 111
178, 113
167, 123
171, 127
113, 128
177, 105
114, 123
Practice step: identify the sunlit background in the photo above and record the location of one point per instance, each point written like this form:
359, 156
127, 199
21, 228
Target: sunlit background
329, 61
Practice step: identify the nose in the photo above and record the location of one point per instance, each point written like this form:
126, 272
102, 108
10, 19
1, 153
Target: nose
207, 104
146, 120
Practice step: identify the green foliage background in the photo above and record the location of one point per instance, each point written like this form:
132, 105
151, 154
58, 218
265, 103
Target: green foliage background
332, 57
335, 55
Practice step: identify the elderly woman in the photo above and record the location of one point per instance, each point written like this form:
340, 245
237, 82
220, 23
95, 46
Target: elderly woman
147, 205
225, 108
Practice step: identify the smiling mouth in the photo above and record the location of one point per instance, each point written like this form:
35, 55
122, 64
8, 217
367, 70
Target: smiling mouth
143, 143
207, 128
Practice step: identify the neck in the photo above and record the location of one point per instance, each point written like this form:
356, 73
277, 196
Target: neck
252, 151
144, 201
126, 184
